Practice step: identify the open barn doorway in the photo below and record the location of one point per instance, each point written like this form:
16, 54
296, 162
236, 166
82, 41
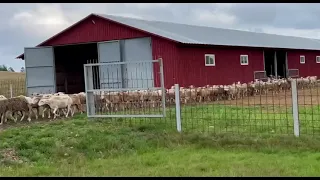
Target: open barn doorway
275, 63
69, 61
281, 64
269, 65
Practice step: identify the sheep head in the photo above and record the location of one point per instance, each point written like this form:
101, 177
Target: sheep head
43, 102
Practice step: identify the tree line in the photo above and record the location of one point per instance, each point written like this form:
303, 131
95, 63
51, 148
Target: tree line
9, 69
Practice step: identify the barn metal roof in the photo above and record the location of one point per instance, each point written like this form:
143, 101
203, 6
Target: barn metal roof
191, 34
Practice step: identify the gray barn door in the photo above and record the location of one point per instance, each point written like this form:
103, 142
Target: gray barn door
40, 70
110, 75
140, 75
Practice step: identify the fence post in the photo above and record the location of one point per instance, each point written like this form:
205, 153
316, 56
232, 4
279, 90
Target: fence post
11, 93
88, 81
178, 107
162, 87
295, 108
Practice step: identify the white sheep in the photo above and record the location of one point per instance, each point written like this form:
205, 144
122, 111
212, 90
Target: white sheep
58, 102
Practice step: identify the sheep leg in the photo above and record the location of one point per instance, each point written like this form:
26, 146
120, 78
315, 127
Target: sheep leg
35, 111
11, 117
6, 117
69, 110
38, 110
2, 118
63, 110
79, 107
73, 110
43, 111
75, 107
54, 112
49, 113
29, 116
16, 114
23, 115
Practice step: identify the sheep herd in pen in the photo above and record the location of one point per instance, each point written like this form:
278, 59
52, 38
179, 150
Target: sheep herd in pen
59, 103
239, 90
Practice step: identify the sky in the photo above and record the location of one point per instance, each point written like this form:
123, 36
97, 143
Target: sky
27, 25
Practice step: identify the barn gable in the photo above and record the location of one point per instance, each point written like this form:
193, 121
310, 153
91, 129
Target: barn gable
94, 28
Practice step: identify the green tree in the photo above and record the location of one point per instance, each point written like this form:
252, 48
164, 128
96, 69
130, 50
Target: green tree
10, 69
3, 68
6, 68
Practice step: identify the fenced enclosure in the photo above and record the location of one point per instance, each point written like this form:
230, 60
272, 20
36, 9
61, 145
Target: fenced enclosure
276, 106
125, 89
245, 108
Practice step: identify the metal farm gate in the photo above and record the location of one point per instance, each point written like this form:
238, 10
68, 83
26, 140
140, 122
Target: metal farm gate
125, 89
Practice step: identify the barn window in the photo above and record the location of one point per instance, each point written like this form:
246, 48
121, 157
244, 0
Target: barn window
302, 59
210, 60
244, 60
318, 59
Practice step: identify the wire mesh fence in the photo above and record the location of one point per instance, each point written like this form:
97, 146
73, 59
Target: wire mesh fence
252, 108
124, 89
242, 108
13, 87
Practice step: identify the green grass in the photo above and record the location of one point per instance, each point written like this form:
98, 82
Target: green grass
127, 147
215, 118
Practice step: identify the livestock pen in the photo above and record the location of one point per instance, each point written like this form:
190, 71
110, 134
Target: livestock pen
257, 107
259, 114
206, 110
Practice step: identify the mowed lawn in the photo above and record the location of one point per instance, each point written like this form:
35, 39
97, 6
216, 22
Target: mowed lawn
103, 147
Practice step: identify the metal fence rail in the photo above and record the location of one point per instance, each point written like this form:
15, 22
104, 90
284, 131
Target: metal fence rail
125, 89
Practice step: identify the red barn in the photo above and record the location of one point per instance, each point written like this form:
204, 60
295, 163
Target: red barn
192, 55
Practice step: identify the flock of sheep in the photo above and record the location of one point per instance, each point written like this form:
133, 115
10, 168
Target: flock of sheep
113, 101
60, 103
51, 103
239, 90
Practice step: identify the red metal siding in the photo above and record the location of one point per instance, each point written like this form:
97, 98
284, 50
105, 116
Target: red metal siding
168, 51
102, 30
227, 70
310, 68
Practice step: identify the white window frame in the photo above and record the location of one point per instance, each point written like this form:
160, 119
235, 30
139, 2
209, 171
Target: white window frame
210, 56
317, 57
244, 55
304, 57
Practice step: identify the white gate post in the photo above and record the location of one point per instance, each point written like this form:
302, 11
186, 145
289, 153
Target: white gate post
88, 79
178, 107
295, 108
163, 98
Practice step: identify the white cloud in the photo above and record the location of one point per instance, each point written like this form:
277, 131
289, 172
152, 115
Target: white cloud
213, 18
147, 5
44, 21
